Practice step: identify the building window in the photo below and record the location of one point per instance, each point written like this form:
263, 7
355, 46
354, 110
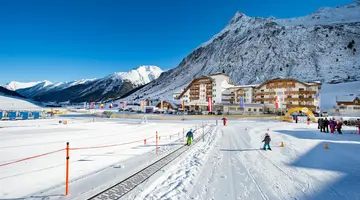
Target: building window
301, 89
249, 109
262, 102
288, 96
260, 110
254, 109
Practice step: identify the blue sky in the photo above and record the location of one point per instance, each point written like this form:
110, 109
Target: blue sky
67, 40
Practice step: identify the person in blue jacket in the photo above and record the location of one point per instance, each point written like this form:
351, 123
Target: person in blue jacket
189, 137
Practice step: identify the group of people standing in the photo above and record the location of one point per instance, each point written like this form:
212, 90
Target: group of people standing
324, 124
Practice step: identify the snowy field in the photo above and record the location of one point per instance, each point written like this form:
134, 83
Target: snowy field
230, 165
227, 165
102, 152
15, 103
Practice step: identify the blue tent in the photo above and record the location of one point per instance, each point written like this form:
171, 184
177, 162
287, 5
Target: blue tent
1, 114
36, 115
24, 115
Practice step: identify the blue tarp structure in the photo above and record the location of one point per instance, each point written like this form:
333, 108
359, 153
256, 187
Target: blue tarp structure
24, 115
19, 115
36, 115
12, 115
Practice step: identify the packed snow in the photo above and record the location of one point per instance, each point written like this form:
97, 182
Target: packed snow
109, 148
231, 165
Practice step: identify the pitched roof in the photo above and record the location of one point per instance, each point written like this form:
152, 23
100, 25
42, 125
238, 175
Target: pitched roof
289, 79
346, 98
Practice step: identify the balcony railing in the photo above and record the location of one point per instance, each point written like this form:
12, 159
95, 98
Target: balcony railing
264, 93
300, 92
228, 95
264, 99
312, 107
299, 99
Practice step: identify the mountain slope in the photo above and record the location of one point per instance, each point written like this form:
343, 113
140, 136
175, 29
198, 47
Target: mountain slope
111, 86
44, 87
8, 92
252, 50
14, 85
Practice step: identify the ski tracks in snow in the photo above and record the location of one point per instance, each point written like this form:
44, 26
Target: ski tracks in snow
180, 178
304, 181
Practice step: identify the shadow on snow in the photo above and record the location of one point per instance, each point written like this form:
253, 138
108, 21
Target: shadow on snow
342, 156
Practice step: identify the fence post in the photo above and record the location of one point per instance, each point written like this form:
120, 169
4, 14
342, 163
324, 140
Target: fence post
157, 142
67, 169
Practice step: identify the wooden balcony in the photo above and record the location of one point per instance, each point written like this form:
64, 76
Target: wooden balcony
194, 98
299, 92
264, 93
264, 99
311, 107
299, 99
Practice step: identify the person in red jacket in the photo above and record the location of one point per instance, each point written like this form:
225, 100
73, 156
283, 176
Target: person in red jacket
339, 126
224, 120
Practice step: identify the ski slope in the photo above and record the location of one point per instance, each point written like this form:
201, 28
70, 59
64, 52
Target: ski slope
102, 152
230, 165
15, 103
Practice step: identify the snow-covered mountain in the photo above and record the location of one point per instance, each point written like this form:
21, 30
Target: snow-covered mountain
14, 85
322, 46
111, 86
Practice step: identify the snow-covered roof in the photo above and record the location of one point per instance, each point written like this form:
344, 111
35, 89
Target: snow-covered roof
346, 98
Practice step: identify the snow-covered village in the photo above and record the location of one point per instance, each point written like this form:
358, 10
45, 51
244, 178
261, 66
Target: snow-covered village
262, 107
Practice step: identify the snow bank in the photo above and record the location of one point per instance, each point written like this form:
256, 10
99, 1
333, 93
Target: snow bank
13, 103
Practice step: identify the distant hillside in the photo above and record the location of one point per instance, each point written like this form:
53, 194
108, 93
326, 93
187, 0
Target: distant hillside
10, 92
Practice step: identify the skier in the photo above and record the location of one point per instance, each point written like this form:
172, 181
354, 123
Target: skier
308, 120
326, 125
189, 137
332, 124
296, 119
339, 126
267, 140
318, 121
358, 125
322, 127
224, 120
